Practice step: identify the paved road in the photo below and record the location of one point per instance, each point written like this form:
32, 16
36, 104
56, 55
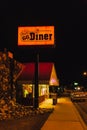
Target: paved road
82, 108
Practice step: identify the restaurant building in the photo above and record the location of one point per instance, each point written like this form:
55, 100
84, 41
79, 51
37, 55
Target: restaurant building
47, 77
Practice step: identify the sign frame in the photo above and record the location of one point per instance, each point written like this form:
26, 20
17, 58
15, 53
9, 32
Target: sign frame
36, 36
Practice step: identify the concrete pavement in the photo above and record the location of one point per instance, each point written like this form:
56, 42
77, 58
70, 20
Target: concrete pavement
64, 117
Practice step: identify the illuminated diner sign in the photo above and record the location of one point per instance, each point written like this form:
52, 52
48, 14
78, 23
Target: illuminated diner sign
36, 35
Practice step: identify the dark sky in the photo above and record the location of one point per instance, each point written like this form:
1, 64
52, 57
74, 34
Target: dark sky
70, 21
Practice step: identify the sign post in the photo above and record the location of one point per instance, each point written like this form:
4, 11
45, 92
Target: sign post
36, 98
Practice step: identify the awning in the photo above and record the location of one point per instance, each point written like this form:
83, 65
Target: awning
47, 73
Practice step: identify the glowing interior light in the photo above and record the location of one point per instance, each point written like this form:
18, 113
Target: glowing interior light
53, 81
25, 93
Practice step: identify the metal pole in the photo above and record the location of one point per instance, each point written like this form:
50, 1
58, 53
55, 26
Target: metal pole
36, 98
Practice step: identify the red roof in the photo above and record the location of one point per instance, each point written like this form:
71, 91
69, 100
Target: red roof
28, 72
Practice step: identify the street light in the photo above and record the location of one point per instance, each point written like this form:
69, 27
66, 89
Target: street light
75, 83
85, 73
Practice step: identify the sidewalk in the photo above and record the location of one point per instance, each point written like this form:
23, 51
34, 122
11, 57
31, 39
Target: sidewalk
64, 117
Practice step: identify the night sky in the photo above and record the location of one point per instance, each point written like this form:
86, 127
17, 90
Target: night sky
70, 21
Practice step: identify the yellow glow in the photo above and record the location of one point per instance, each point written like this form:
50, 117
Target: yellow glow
38, 35
53, 79
25, 93
85, 73
27, 89
43, 89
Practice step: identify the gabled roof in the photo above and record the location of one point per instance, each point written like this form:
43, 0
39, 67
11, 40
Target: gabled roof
54, 81
28, 72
